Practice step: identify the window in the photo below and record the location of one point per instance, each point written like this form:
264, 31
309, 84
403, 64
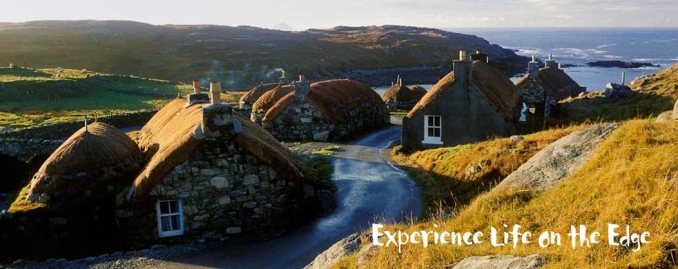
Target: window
170, 218
432, 129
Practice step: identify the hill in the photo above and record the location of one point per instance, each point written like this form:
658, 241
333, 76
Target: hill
37, 97
240, 56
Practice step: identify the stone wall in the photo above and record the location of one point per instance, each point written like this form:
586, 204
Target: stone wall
301, 122
24, 149
64, 130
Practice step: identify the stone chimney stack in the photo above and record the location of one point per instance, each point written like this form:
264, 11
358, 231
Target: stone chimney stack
533, 68
301, 89
283, 79
550, 63
479, 56
463, 68
197, 97
215, 92
196, 86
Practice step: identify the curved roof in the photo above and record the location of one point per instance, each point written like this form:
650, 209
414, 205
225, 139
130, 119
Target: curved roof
335, 99
556, 81
403, 94
268, 99
92, 157
490, 81
168, 139
253, 94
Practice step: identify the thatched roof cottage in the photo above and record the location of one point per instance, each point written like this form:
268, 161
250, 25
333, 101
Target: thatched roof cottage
331, 109
267, 100
401, 97
547, 85
94, 158
473, 102
247, 100
209, 173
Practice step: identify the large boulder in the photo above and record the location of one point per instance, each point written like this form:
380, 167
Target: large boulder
558, 160
671, 115
502, 262
614, 90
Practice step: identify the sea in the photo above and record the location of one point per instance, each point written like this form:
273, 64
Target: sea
578, 46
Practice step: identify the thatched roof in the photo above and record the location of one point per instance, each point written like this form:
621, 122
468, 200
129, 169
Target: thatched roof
88, 159
335, 99
168, 140
418, 90
491, 81
253, 94
555, 81
400, 93
268, 99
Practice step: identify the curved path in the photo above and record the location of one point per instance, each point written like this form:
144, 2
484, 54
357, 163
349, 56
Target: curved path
370, 190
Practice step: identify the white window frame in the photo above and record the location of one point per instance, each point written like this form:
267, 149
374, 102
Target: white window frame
180, 214
433, 139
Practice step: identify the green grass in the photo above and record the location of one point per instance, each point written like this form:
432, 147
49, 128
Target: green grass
328, 151
33, 98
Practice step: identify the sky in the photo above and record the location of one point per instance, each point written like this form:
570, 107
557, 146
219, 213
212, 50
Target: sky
304, 14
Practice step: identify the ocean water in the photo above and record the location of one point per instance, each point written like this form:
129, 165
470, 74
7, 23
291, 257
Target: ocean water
577, 46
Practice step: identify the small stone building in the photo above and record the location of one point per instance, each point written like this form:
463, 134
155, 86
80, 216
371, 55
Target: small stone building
543, 87
210, 174
473, 102
326, 110
401, 97
267, 100
247, 100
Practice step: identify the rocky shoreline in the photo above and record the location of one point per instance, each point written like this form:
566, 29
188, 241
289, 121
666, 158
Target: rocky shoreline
620, 64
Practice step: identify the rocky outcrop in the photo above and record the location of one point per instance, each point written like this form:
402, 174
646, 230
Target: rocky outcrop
620, 64
671, 115
502, 262
616, 91
345, 247
558, 160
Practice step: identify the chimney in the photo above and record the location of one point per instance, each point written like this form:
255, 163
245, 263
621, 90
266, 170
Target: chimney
196, 86
550, 63
196, 97
479, 56
215, 92
283, 79
301, 89
623, 78
462, 68
533, 68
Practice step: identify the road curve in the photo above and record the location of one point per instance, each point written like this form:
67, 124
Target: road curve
370, 190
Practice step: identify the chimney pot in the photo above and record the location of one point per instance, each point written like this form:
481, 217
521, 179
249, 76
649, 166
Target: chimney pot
550, 56
462, 55
534, 58
215, 91
302, 78
196, 86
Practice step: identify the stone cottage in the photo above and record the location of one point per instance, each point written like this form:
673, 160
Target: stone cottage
543, 87
325, 110
267, 100
210, 174
247, 100
473, 102
401, 97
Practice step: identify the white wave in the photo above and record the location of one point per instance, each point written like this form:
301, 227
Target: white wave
606, 46
612, 56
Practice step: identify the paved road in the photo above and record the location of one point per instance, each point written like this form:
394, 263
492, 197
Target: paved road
369, 190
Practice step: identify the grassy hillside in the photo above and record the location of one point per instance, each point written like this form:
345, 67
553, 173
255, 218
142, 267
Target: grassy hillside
631, 180
239, 56
36, 97
654, 94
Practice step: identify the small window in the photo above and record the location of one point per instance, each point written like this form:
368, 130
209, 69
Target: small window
432, 129
170, 218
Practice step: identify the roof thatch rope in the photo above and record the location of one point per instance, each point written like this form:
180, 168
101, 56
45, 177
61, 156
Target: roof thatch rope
169, 139
335, 99
92, 157
493, 83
